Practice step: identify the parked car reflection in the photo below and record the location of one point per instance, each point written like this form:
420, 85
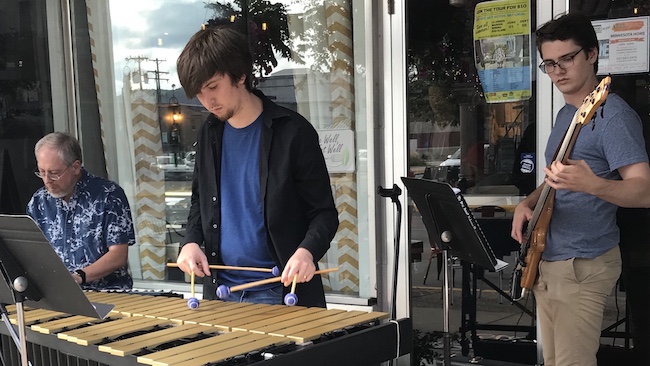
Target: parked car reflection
448, 171
176, 210
189, 158
177, 170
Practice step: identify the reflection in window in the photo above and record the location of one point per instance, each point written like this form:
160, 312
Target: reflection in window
25, 99
455, 136
318, 73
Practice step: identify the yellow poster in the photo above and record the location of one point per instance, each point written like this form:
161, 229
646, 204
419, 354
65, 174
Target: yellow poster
502, 49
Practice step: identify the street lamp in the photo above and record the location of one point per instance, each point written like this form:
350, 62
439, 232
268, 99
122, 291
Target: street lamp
176, 117
175, 107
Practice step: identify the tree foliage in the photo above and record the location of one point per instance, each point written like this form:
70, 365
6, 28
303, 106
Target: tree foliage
315, 37
250, 18
310, 39
439, 59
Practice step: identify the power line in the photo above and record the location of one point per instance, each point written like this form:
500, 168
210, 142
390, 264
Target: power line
157, 77
139, 60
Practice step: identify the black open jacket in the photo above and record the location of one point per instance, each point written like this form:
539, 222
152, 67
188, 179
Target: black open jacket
299, 209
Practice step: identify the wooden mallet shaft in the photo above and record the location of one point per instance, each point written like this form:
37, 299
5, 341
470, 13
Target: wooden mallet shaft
274, 279
192, 283
232, 268
293, 284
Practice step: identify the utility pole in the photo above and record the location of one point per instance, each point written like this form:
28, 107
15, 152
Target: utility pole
157, 77
139, 60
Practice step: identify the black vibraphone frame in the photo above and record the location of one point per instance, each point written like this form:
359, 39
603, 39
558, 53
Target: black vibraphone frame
370, 346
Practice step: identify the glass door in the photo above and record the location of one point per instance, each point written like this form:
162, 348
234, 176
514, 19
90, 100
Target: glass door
26, 111
472, 99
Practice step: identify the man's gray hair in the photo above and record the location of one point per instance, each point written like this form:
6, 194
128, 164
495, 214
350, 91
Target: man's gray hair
67, 146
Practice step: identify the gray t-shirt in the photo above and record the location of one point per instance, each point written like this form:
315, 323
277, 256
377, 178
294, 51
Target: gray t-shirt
582, 225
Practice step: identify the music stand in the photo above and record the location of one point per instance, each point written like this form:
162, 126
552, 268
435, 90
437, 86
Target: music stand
452, 227
35, 276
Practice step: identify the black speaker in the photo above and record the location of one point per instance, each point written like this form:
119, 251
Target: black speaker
615, 355
525, 352
516, 351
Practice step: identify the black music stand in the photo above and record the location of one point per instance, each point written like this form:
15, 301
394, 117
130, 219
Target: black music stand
35, 276
451, 226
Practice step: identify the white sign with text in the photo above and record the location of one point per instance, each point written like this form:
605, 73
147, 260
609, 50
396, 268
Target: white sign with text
338, 150
623, 45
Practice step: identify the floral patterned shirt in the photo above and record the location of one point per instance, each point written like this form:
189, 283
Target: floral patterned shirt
81, 230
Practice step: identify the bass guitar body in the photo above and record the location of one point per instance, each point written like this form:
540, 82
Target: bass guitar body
530, 253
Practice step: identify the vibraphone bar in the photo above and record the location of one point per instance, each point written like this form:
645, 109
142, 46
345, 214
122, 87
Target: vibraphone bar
161, 331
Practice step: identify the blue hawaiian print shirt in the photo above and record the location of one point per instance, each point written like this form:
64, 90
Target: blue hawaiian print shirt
81, 230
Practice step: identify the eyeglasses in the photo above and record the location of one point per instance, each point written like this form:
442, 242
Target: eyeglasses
564, 63
52, 176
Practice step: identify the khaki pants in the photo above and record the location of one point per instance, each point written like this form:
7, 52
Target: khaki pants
570, 297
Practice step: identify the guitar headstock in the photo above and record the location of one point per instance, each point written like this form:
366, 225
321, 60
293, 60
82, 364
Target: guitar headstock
594, 100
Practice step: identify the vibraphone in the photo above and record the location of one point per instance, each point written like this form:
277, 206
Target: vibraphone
161, 331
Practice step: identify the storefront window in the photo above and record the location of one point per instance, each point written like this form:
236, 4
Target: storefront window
471, 96
25, 99
309, 57
624, 58
471, 121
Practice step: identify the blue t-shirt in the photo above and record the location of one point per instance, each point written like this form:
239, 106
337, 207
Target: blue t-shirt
582, 225
243, 234
81, 230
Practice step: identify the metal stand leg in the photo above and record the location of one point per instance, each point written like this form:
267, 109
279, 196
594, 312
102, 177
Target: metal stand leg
20, 339
538, 335
445, 305
21, 333
426, 274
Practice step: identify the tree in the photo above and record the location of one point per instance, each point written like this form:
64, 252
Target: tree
440, 68
266, 26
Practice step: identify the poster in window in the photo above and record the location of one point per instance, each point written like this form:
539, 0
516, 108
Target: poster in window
623, 45
502, 49
338, 150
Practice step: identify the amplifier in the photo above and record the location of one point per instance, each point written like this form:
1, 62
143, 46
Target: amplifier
519, 350
525, 352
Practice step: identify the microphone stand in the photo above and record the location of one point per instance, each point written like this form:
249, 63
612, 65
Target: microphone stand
394, 194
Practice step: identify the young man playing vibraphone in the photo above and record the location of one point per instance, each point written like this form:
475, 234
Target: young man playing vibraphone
261, 193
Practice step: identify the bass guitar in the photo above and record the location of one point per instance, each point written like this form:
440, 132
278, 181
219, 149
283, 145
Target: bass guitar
530, 252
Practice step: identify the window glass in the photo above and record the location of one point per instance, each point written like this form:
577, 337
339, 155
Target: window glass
460, 131
25, 99
309, 57
626, 61
463, 133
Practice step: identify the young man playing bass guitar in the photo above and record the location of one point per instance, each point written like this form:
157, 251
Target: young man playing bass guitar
607, 167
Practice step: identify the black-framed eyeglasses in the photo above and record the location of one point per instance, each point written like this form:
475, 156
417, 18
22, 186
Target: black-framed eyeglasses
564, 63
52, 176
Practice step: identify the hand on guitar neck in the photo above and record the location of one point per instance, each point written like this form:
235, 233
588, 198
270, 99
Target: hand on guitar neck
572, 175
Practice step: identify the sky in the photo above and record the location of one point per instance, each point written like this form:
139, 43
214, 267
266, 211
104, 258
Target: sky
159, 29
